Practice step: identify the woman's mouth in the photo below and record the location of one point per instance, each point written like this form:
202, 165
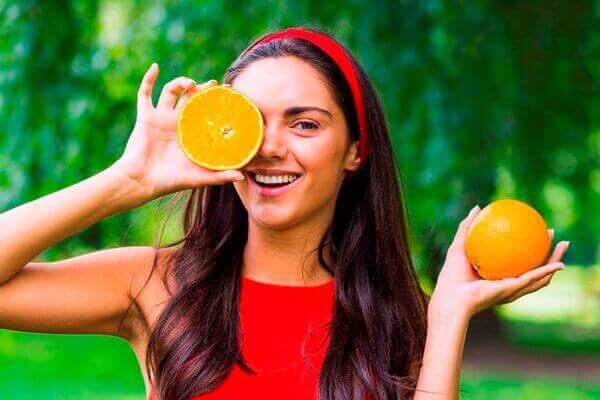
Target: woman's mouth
270, 186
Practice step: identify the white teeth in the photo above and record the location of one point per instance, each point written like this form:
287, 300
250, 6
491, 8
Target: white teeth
275, 178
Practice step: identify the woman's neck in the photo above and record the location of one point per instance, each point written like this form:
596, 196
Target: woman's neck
286, 257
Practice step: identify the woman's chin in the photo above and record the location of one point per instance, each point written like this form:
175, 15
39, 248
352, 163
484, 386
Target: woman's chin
270, 217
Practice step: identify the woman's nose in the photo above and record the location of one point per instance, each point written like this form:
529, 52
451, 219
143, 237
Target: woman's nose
274, 143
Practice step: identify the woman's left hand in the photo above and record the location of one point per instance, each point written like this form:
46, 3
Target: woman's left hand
461, 292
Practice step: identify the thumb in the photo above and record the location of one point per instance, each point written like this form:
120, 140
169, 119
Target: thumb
463, 227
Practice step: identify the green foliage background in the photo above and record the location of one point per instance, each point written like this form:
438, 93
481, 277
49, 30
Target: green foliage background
485, 99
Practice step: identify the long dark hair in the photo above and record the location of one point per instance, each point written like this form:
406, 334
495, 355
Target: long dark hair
377, 334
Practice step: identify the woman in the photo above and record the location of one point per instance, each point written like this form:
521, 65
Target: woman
272, 293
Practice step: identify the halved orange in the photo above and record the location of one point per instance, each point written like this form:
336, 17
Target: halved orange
507, 238
220, 128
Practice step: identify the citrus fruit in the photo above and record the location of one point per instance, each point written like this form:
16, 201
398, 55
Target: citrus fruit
507, 238
220, 128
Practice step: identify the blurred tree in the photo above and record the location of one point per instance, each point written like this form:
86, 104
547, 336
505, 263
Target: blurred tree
485, 99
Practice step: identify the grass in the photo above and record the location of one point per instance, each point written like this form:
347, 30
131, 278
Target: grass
480, 385
563, 317
43, 366
90, 367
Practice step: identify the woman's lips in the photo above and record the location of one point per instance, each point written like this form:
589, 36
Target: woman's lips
272, 191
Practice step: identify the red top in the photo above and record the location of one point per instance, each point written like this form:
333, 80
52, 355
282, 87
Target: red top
277, 342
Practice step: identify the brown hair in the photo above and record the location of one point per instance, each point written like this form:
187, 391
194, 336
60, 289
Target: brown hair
377, 334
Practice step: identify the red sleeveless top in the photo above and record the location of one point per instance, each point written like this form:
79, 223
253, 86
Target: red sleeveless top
284, 340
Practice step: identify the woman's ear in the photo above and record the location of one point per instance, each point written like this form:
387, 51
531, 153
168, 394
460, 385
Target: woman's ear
352, 161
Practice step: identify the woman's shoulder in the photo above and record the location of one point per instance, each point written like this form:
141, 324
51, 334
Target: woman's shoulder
150, 283
147, 272
148, 264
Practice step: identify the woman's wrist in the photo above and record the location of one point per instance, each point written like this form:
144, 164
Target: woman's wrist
128, 192
446, 333
447, 313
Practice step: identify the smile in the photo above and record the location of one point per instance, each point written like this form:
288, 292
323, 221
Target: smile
270, 186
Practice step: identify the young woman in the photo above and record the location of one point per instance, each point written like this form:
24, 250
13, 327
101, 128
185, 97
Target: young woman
290, 292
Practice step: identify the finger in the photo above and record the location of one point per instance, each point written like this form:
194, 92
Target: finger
227, 85
144, 97
230, 175
512, 285
508, 288
191, 91
545, 281
459, 238
221, 177
559, 251
168, 96
551, 234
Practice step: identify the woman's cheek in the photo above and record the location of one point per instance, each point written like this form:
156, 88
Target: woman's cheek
316, 153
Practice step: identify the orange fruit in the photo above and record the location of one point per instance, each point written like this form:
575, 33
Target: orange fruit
506, 239
220, 128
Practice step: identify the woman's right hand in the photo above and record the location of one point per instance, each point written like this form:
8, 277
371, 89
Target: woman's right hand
153, 157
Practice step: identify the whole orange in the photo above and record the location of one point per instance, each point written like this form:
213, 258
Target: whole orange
507, 238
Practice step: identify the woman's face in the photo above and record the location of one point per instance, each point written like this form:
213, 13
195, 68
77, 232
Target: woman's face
311, 144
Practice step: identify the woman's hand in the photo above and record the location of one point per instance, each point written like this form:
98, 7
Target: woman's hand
153, 157
460, 291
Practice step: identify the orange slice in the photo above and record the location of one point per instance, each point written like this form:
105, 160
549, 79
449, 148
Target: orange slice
220, 128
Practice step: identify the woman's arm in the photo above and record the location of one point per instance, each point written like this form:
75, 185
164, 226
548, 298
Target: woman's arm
29, 229
84, 294
90, 293
458, 295
439, 377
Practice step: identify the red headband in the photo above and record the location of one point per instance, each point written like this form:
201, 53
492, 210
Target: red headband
336, 52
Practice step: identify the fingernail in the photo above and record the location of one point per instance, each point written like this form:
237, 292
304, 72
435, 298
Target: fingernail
239, 178
568, 242
473, 209
552, 231
213, 81
562, 266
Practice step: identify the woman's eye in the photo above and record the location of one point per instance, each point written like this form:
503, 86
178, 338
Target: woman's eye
307, 124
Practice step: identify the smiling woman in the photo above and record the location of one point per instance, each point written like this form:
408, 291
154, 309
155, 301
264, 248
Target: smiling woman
294, 278
318, 207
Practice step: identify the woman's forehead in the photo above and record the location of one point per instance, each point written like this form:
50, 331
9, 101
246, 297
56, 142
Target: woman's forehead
277, 83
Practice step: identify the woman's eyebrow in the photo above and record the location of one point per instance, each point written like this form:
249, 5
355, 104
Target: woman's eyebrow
300, 109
